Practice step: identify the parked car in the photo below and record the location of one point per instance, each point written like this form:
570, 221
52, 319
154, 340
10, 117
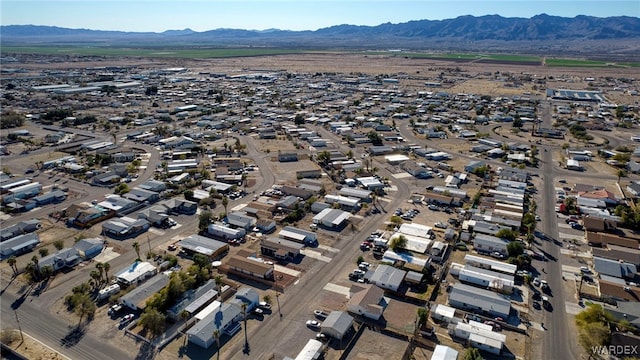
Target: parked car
497, 255
433, 207
314, 324
264, 305
126, 319
172, 247
440, 225
536, 282
321, 337
114, 309
320, 314
258, 311
461, 246
585, 270
576, 226
571, 218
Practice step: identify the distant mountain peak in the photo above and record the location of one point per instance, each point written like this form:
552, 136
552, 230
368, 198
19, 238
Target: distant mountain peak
178, 32
541, 33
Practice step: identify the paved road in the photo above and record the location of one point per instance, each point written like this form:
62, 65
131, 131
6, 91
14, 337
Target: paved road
557, 342
296, 300
50, 330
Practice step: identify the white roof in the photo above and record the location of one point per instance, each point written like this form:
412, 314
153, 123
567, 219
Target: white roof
396, 158
391, 255
135, 271
415, 230
494, 265
208, 310
414, 243
286, 234
311, 351
442, 352
476, 328
444, 310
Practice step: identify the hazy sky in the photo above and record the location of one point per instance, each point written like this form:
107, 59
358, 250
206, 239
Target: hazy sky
201, 15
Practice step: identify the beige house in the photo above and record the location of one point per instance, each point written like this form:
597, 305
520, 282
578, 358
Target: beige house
367, 301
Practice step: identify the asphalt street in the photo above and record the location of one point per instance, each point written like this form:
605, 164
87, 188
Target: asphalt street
55, 332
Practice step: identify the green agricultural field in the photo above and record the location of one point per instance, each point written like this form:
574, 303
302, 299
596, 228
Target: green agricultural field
587, 63
471, 57
165, 52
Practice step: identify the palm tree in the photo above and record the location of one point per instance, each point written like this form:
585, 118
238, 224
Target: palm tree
36, 267
136, 247
100, 268
107, 266
244, 315
85, 307
216, 335
621, 173
96, 278
47, 271
12, 262
225, 203
218, 280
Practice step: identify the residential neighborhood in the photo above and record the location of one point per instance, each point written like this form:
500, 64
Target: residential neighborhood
282, 214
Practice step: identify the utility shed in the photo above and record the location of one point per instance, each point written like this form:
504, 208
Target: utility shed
442, 352
337, 324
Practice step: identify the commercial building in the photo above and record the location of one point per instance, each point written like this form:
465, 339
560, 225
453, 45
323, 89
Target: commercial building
331, 218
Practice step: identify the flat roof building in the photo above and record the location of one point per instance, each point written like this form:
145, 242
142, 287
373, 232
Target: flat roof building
478, 300
204, 245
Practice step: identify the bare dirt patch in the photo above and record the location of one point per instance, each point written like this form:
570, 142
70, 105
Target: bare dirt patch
29, 347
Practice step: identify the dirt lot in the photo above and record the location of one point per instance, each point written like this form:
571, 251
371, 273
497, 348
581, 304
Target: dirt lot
29, 347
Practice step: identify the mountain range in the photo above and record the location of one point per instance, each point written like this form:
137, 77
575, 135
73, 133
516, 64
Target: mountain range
541, 33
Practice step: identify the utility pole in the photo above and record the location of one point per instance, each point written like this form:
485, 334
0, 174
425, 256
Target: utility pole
275, 283
19, 328
149, 244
